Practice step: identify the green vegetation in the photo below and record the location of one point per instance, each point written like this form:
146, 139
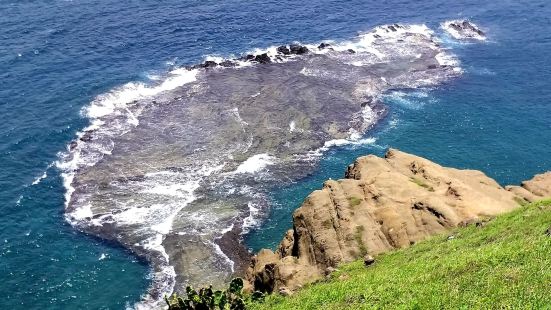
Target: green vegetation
358, 236
422, 184
354, 201
207, 299
505, 264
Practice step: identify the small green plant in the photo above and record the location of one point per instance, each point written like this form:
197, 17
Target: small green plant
422, 184
354, 201
207, 299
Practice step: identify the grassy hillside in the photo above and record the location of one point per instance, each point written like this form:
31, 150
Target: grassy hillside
503, 264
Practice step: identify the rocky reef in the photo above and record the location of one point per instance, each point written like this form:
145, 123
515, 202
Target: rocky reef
382, 204
464, 30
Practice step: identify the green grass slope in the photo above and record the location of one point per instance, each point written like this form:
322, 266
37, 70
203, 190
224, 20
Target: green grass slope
504, 264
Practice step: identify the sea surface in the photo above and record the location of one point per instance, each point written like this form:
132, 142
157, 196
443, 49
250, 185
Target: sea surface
58, 57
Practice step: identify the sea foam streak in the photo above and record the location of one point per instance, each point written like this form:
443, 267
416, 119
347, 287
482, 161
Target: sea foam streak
177, 170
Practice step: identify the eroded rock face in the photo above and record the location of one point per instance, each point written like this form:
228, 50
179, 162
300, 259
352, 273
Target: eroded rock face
382, 204
539, 187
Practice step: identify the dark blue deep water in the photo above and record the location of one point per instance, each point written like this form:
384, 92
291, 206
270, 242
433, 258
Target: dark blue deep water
56, 56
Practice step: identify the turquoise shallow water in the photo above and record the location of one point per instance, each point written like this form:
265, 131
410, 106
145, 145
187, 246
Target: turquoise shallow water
56, 56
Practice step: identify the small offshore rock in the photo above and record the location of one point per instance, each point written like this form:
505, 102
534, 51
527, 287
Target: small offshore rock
263, 58
351, 51
283, 50
369, 260
298, 49
209, 64
323, 45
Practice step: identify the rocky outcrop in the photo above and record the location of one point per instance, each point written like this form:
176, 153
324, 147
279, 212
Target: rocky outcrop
535, 189
382, 204
464, 30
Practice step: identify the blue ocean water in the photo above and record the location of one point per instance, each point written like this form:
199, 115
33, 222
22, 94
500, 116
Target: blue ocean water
56, 56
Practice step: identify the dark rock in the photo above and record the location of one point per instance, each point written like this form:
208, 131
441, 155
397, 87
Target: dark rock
283, 50
368, 102
87, 137
433, 66
298, 49
351, 51
232, 245
369, 260
228, 63
263, 58
455, 26
391, 27
208, 64
73, 145
323, 45
248, 57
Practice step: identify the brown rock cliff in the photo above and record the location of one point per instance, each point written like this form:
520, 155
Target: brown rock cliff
382, 204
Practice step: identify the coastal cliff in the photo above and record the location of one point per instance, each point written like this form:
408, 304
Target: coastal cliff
382, 204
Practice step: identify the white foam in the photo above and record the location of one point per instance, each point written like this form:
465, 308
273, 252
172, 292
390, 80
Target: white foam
221, 253
256, 163
176, 190
251, 221
292, 126
411, 100
102, 256
447, 59
117, 99
40, 178
82, 213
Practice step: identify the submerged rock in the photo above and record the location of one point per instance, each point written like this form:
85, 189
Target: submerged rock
382, 204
